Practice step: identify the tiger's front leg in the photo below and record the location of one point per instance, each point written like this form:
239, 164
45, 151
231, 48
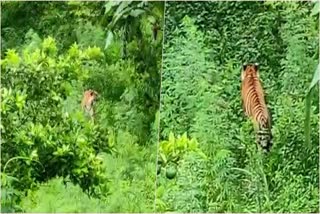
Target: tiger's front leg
91, 114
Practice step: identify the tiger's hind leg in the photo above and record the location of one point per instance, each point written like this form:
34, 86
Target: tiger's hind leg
264, 138
256, 130
262, 135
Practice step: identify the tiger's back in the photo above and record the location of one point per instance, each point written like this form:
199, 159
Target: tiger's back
254, 105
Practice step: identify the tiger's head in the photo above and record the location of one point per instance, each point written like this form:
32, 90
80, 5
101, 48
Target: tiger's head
250, 70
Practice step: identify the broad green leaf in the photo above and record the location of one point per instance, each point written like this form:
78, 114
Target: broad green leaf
122, 7
108, 6
151, 19
109, 39
316, 77
137, 12
315, 9
171, 138
163, 157
123, 16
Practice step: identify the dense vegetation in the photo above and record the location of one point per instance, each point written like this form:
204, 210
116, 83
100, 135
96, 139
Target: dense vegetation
52, 158
215, 166
55, 160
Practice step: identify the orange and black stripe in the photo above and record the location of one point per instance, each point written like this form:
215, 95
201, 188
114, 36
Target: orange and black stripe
254, 105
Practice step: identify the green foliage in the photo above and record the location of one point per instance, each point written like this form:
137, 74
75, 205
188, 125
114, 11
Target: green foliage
314, 82
46, 139
200, 95
173, 149
56, 196
39, 140
132, 19
132, 175
51, 154
128, 184
179, 184
67, 22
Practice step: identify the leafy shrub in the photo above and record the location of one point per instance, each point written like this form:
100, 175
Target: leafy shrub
173, 149
130, 189
39, 140
182, 159
55, 196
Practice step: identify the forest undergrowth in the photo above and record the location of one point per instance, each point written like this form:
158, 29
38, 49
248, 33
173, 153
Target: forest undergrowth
200, 99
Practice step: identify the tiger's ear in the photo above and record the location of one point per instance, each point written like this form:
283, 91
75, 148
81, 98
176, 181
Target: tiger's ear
244, 66
256, 66
242, 75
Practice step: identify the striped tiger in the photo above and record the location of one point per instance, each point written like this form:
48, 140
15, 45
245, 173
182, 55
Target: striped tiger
88, 100
254, 105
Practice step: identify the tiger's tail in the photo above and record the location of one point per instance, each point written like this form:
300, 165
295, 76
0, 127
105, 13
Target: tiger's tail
264, 138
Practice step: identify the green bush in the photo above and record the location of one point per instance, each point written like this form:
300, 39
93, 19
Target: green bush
130, 189
180, 182
39, 139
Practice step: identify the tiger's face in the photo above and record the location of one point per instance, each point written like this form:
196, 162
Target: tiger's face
250, 71
88, 100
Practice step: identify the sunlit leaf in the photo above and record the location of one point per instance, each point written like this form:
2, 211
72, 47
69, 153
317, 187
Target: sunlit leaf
108, 6
12, 58
137, 12
315, 9
109, 39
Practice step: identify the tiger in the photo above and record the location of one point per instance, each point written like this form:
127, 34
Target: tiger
88, 101
254, 105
